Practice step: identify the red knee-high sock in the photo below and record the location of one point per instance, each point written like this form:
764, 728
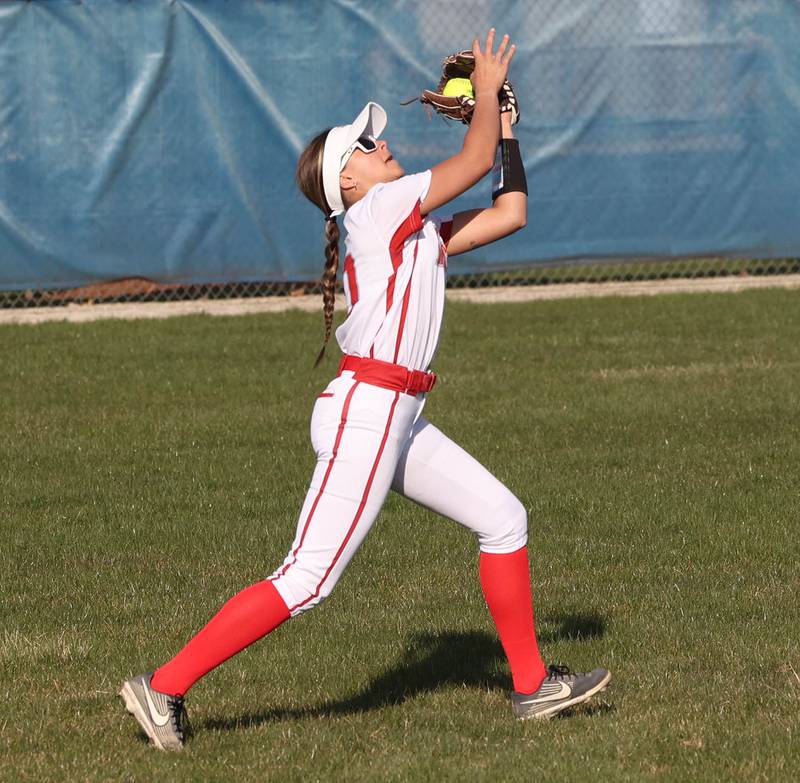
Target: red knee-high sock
245, 618
506, 584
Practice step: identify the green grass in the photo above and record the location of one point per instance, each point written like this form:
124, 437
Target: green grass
148, 470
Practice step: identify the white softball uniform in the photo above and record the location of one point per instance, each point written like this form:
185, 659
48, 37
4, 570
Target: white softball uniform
369, 439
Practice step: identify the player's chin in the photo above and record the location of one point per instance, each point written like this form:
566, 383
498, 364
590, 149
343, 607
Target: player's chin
395, 169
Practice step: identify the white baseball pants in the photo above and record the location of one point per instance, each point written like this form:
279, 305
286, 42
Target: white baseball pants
369, 440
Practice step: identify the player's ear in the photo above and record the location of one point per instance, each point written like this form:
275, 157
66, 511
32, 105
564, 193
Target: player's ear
347, 182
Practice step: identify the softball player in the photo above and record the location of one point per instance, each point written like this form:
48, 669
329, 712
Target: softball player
367, 428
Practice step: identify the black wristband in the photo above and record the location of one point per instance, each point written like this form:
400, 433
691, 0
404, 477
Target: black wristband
508, 174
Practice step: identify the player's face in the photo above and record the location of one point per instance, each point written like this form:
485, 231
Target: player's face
370, 168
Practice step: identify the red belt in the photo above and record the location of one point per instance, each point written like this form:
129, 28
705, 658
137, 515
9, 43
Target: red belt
387, 375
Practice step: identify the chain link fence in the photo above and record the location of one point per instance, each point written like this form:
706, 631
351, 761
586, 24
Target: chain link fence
141, 290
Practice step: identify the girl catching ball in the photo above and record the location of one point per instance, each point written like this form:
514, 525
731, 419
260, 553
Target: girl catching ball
367, 427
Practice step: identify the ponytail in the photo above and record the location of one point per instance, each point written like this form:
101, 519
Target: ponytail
329, 279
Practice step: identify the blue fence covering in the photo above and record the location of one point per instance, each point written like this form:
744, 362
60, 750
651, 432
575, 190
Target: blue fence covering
158, 138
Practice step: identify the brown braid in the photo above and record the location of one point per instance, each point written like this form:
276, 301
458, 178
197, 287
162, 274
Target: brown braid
309, 180
329, 280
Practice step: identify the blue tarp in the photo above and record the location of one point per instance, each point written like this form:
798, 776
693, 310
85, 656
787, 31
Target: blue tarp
158, 138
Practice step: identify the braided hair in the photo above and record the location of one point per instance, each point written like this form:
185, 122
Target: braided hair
329, 279
309, 180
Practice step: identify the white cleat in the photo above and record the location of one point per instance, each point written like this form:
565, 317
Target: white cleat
162, 717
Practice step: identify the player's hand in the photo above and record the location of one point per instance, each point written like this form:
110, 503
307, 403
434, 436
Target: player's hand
491, 67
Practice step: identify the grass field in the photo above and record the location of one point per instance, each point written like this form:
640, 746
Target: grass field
148, 470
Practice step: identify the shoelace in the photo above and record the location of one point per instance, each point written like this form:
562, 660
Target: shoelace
178, 716
557, 672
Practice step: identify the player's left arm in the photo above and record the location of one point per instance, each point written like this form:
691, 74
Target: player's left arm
475, 227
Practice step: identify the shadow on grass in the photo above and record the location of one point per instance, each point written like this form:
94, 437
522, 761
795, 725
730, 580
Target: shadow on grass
430, 662
575, 626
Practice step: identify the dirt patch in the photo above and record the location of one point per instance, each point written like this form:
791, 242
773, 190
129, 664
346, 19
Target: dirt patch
635, 288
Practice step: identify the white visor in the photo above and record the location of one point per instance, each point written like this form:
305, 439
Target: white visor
370, 122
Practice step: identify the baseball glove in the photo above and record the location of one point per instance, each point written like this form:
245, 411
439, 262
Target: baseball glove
459, 108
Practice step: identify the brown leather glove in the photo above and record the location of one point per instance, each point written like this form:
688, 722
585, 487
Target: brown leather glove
459, 108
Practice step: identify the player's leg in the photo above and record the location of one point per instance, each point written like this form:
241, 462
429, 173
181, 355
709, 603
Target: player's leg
358, 434
437, 473
440, 475
346, 495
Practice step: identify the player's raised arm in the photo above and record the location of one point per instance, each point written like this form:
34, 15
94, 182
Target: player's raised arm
509, 212
458, 174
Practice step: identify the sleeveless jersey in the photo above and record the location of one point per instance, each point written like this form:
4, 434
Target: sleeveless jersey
394, 275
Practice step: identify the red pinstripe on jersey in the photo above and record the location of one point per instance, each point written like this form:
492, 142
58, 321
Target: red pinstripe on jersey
407, 228
339, 433
360, 510
352, 283
404, 311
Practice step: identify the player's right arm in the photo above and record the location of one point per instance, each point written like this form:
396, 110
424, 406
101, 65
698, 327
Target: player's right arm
458, 174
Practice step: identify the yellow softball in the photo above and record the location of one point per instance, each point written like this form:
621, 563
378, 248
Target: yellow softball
455, 88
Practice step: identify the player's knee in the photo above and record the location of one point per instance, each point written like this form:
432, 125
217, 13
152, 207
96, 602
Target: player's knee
511, 528
517, 532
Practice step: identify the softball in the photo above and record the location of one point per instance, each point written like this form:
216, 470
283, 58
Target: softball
455, 88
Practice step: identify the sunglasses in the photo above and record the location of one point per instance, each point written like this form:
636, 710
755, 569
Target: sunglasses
366, 144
